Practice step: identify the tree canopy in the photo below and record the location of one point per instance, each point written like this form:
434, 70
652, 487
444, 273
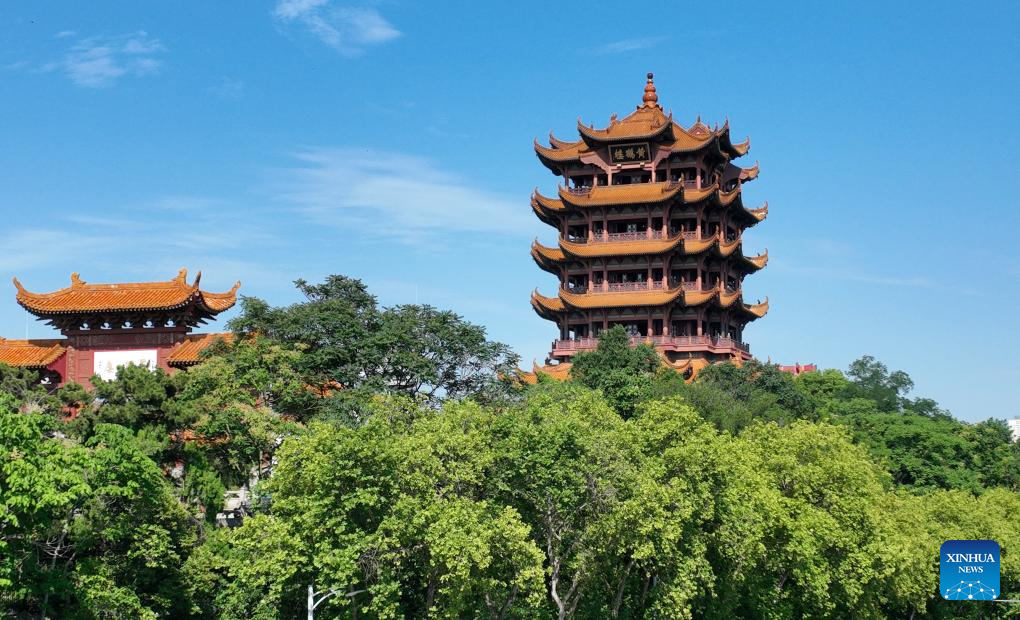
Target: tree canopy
390, 457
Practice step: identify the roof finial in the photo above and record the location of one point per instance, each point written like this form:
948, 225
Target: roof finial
651, 100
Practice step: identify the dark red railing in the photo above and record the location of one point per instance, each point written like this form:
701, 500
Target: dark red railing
715, 342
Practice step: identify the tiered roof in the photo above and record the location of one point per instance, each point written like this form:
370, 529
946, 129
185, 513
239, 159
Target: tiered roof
552, 306
30, 353
568, 250
43, 352
85, 298
647, 123
640, 193
189, 352
561, 371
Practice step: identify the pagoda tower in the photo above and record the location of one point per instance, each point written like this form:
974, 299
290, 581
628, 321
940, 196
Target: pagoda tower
650, 219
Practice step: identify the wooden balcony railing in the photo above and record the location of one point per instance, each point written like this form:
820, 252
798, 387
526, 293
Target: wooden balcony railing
621, 287
713, 342
632, 236
600, 237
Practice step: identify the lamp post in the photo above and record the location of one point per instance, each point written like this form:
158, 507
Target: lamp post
323, 595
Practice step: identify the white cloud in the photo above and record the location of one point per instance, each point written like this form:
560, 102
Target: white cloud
97, 62
293, 9
630, 45
348, 30
394, 195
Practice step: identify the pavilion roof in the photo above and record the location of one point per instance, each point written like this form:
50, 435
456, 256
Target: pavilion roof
85, 298
551, 306
757, 310
642, 124
621, 248
567, 151
678, 139
634, 193
189, 352
540, 203
756, 262
559, 372
647, 122
546, 256
30, 353
637, 193
760, 213
653, 297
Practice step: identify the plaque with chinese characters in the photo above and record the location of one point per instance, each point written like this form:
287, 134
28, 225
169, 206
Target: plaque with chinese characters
629, 153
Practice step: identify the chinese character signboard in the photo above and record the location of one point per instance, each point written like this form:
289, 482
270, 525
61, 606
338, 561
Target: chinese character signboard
629, 153
106, 363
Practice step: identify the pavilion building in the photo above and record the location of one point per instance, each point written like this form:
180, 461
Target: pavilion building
650, 221
105, 326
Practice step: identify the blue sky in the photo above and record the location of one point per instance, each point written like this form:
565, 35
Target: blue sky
391, 141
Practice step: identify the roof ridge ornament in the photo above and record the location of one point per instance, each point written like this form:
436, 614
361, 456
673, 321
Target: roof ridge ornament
650, 98
76, 280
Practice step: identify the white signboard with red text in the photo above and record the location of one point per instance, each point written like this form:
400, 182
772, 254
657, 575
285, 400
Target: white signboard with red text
106, 363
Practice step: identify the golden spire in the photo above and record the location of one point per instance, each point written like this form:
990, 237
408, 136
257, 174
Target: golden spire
651, 99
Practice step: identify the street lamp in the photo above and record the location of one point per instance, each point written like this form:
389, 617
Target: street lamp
325, 594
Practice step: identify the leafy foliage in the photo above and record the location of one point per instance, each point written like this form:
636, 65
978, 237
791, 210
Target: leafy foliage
390, 463
621, 371
87, 527
350, 348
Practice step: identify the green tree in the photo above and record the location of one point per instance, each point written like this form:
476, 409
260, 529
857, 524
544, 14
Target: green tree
332, 328
872, 380
138, 399
23, 384
38, 485
925, 453
622, 372
87, 530
770, 393
823, 386
820, 553
436, 353
350, 348
393, 513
